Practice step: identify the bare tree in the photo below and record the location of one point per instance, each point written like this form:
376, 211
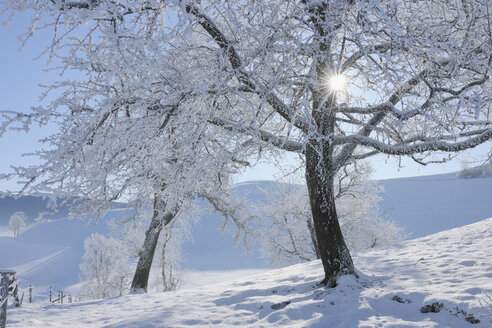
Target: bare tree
272, 74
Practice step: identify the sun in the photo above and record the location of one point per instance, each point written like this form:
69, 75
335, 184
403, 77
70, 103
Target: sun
337, 83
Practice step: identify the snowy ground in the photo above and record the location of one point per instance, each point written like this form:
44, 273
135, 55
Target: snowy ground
453, 267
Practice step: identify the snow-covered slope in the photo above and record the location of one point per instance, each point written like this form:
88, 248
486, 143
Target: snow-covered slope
452, 268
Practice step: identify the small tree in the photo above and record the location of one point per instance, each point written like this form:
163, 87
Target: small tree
17, 223
104, 268
482, 171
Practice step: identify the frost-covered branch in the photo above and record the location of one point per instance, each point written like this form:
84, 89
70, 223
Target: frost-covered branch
436, 145
280, 142
384, 107
234, 211
250, 85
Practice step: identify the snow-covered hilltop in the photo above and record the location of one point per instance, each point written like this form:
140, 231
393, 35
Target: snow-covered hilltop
450, 269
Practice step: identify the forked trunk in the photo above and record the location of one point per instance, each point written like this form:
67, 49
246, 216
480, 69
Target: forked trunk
333, 251
146, 256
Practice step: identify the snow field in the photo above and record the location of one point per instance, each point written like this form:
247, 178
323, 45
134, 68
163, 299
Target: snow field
453, 267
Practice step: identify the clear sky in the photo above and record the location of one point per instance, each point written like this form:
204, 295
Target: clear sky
20, 77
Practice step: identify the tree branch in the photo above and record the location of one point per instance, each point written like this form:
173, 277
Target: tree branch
348, 149
436, 145
253, 86
361, 53
384, 107
282, 143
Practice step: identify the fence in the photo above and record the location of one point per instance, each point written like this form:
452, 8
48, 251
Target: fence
10, 285
61, 296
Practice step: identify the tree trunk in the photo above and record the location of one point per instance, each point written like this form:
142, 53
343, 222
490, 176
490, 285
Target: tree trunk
160, 218
320, 168
333, 251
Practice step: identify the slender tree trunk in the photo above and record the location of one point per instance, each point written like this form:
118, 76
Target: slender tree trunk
160, 218
312, 233
333, 251
168, 281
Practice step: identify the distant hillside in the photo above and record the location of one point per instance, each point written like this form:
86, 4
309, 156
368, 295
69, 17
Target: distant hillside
429, 204
421, 205
34, 207
50, 253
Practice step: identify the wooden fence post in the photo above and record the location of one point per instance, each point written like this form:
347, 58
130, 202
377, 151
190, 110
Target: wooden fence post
51, 293
30, 293
5, 278
4, 292
15, 292
61, 296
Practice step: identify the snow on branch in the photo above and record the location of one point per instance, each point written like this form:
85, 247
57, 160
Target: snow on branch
434, 145
283, 143
253, 86
384, 107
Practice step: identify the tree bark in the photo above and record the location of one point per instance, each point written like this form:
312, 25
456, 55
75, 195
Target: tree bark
333, 251
160, 218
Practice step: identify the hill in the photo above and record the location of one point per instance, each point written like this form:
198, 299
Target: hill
50, 253
36, 208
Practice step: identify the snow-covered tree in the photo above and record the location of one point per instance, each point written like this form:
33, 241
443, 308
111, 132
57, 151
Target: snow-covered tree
104, 268
153, 154
17, 222
287, 235
334, 81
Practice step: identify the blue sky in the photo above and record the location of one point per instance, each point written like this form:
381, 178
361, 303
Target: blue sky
19, 90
